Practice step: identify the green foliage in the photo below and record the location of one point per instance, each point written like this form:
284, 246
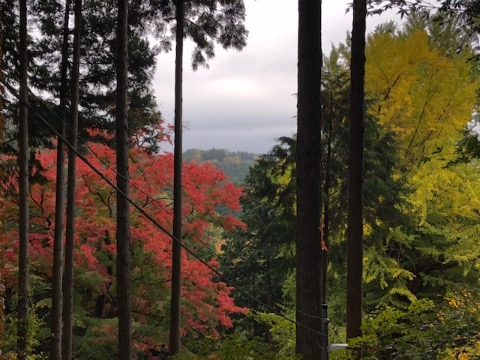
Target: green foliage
421, 218
468, 148
37, 331
257, 259
424, 328
261, 260
421, 224
459, 321
97, 83
98, 340
281, 331
394, 333
235, 347
444, 202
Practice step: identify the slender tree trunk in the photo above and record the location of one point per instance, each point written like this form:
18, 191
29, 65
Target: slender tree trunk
123, 225
355, 176
57, 291
101, 299
2, 120
23, 223
326, 207
308, 258
175, 312
71, 189
2, 284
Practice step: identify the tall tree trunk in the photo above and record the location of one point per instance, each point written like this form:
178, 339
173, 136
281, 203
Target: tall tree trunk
326, 208
355, 175
123, 226
102, 298
2, 285
71, 187
175, 313
308, 258
57, 291
2, 120
23, 223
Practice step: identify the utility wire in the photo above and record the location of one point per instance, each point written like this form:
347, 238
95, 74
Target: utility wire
108, 167
156, 201
153, 220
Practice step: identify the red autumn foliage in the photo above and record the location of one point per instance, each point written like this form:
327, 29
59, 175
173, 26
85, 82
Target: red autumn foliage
207, 303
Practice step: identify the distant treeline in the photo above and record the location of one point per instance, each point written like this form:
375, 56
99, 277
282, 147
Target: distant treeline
235, 164
217, 154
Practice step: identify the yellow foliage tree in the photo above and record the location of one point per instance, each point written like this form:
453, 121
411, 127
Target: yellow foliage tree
448, 200
425, 96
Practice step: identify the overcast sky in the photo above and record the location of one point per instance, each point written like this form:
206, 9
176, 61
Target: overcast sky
245, 100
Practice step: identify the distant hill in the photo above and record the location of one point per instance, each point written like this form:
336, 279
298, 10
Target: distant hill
235, 164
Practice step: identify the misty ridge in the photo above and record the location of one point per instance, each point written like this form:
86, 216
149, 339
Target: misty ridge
235, 164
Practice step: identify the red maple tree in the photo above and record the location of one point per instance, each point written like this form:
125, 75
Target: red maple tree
207, 304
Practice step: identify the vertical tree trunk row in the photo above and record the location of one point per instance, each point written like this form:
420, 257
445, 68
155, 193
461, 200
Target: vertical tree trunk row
23, 223
175, 312
308, 256
123, 228
355, 177
57, 290
71, 189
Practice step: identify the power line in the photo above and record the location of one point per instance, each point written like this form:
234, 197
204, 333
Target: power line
156, 201
153, 220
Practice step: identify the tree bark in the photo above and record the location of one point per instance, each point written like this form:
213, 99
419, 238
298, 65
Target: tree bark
355, 176
175, 312
23, 223
102, 298
57, 291
325, 226
2, 285
123, 221
308, 257
2, 119
71, 189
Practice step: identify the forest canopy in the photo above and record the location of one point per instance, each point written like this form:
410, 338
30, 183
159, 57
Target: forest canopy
239, 232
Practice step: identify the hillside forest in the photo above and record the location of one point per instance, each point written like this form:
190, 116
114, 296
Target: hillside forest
362, 228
